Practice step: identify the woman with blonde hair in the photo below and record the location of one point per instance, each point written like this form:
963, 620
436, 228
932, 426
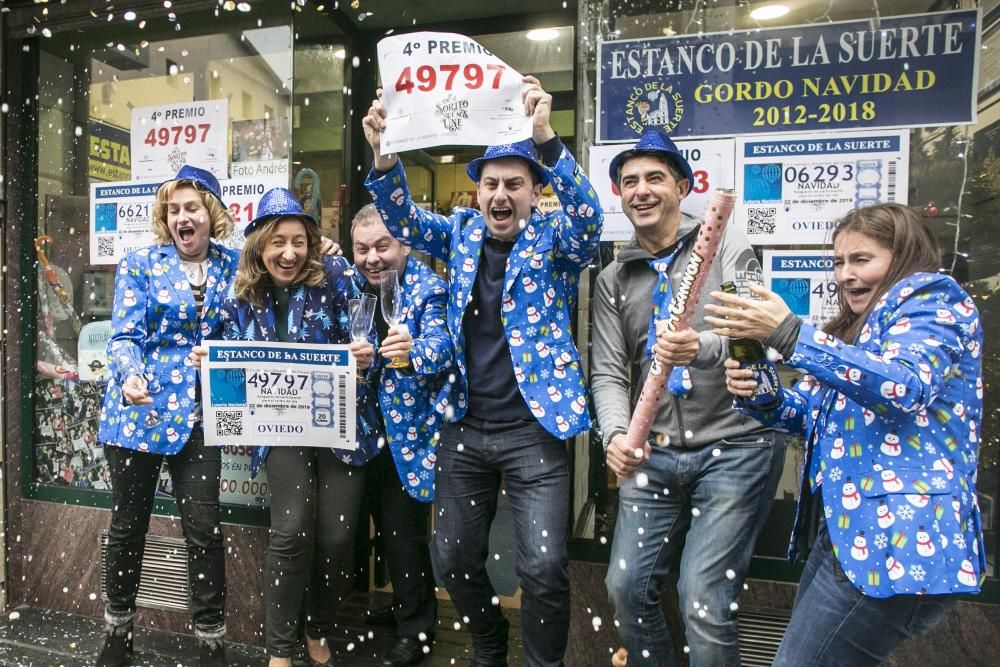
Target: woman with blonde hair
167, 299
890, 404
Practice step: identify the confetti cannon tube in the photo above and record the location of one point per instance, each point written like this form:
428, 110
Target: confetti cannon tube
682, 308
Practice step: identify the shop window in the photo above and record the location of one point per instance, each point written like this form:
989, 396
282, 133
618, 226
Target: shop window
951, 179
90, 96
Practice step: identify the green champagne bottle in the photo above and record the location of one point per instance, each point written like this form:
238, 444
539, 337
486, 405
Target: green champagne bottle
752, 354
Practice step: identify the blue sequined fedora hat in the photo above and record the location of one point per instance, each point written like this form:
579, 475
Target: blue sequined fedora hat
202, 177
653, 140
522, 149
278, 203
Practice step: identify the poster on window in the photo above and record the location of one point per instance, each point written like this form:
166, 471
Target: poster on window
711, 163
260, 148
794, 188
804, 280
446, 89
121, 214
168, 136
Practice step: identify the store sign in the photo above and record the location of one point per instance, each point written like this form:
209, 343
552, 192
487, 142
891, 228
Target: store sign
110, 155
909, 71
169, 136
711, 162
446, 89
793, 189
121, 214
804, 280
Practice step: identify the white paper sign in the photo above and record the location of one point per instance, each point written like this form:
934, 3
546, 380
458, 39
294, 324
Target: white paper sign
804, 279
169, 136
442, 88
794, 188
121, 214
278, 394
92, 351
711, 162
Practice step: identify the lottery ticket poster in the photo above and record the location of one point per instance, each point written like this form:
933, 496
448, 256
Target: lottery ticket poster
278, 394
794, 188
446, 89
120, 219
168, 136
121, 214
804, 280
711, 162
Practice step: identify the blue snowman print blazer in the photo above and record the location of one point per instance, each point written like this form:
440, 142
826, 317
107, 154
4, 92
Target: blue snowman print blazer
540, 286
413, 401
154, 327
892, 428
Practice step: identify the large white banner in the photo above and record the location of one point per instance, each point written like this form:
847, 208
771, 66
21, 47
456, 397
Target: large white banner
794, 188
121, 214
169, 136
711, 162
442, 88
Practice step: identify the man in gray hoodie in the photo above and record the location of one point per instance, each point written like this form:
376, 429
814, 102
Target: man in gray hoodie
708, 475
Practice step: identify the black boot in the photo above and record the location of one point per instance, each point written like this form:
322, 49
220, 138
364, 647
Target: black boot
117, 646
213, 653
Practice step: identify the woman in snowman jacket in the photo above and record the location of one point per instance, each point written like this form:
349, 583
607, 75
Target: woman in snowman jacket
890, 405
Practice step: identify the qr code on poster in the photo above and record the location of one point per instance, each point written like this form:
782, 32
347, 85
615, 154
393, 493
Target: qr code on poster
105, 246
760, 219
228, 422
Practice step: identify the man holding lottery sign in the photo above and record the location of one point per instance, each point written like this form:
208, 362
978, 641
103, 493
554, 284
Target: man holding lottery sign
518, 391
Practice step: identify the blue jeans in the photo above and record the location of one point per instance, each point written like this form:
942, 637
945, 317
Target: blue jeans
714, 500
475, 456
833, 623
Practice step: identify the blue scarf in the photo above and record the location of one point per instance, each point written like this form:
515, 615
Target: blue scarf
679, 383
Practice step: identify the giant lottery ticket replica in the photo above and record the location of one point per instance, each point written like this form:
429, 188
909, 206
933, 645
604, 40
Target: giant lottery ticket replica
446, 89
278, 394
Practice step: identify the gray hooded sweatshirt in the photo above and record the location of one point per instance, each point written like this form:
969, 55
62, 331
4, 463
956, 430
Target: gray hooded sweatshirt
622, 307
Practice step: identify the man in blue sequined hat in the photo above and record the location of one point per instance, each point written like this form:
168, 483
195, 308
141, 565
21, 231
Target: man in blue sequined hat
518, 391
732, 464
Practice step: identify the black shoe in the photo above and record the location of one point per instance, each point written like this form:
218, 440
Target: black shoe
476, 663
382, 616
212, 653
117, 647
406, 652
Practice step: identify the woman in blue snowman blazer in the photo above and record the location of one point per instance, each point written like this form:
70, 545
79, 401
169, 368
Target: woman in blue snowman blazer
167, 300
286, 291
892, 421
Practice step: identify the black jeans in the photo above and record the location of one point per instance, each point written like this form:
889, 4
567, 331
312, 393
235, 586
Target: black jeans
195, 471
475, 456
315, 503
401, 523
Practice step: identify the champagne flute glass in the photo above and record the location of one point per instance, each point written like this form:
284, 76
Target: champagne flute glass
362, 313
392, 309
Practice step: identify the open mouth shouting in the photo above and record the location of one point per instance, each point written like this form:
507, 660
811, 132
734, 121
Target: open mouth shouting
501, 213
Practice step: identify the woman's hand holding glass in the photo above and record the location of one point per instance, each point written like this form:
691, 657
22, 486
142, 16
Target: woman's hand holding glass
136, 390
391, 301
747, 318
